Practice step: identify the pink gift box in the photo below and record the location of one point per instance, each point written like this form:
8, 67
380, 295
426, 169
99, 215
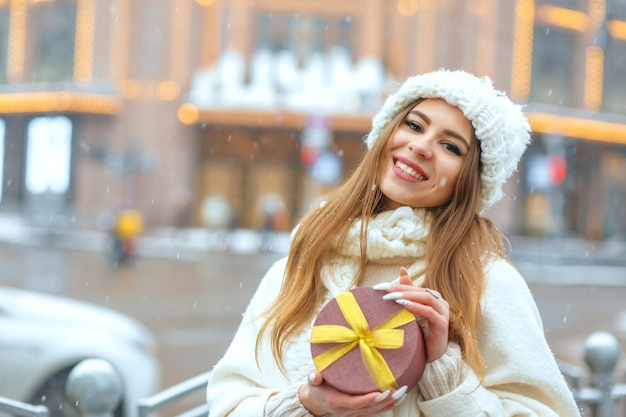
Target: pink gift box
382, 348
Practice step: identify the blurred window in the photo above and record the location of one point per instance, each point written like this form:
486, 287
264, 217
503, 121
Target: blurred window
581, 5
149, 23
301, 34
614, 76
553, 61
614, 96
4, 41
48, 155
52, 26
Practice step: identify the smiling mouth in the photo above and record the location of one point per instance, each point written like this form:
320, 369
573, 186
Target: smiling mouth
409, 171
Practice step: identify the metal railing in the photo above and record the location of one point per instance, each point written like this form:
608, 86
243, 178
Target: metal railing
97, 389
93, 385
18, 408
159, 400
601, 397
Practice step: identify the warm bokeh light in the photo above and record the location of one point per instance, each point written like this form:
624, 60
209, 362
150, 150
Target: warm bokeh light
130, 89
17, 41
617, 29
597, 12
577, 128
522, 49
205, 2
408, 7
168, 90
58, 101
85, 34
565, 18
188, 113
594, 73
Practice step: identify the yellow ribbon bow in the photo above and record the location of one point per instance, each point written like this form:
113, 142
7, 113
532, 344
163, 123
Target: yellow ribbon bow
385, 336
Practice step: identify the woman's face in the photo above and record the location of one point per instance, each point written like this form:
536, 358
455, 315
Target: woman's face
424, 156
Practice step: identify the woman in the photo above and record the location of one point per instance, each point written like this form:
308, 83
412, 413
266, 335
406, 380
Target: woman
408, 223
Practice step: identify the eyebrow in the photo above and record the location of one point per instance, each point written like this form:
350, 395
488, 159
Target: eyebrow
447, 131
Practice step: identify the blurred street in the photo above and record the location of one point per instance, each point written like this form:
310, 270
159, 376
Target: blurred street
193, 304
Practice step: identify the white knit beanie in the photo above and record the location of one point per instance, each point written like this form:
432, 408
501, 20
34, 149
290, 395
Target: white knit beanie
499, 124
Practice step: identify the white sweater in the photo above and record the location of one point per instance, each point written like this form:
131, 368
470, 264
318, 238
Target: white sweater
521, 375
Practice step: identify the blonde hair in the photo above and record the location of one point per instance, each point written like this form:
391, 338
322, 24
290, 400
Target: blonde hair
458, 241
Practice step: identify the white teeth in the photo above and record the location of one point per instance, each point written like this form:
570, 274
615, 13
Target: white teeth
408, 170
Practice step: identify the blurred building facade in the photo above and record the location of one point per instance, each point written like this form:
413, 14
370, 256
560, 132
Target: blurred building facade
243, 113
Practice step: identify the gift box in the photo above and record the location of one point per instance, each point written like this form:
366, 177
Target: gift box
362, 343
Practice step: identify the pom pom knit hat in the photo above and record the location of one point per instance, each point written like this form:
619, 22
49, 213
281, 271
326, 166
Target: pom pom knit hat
499, 124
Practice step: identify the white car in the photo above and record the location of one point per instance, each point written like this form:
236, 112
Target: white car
42, 337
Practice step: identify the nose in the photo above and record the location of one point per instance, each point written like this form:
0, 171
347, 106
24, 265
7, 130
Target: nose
422, 147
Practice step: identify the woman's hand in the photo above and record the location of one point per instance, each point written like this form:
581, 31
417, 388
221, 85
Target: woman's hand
425, 303
320, 399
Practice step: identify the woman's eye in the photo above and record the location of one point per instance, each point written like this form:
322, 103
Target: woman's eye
414, 126
452, 147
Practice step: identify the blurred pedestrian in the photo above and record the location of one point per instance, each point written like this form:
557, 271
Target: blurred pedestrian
409, 223
217, 216
127, 227
275, 217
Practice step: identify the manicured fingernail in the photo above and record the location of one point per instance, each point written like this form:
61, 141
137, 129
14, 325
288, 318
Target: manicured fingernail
399, 393
382, 396
404, 302
312, 377
392, 296
382, 286
399, 401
